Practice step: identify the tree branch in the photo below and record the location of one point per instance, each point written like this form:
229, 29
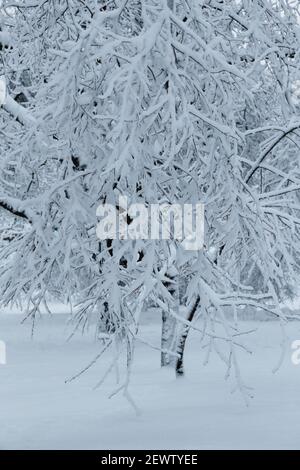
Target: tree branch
17, 212
268, 150
21, 114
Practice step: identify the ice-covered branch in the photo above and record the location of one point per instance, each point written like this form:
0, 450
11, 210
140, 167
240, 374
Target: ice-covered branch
18, 111
284, 133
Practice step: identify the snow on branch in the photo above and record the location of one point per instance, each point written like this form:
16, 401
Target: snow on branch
5, 39
162, 105
16, 208
20, 113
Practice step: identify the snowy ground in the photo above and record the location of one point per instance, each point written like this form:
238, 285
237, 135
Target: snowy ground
39, 411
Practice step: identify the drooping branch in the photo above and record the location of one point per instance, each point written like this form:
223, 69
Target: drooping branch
262, 157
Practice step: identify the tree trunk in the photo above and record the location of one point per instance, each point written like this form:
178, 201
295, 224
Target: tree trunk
168, 333
182, 339
167, 339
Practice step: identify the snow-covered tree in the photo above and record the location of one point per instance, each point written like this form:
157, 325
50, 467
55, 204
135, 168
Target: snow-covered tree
162, 101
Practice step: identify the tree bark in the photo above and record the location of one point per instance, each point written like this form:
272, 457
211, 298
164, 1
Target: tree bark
183, 338
169, 322
167, 338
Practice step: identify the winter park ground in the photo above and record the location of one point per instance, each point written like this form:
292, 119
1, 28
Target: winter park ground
40, 411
